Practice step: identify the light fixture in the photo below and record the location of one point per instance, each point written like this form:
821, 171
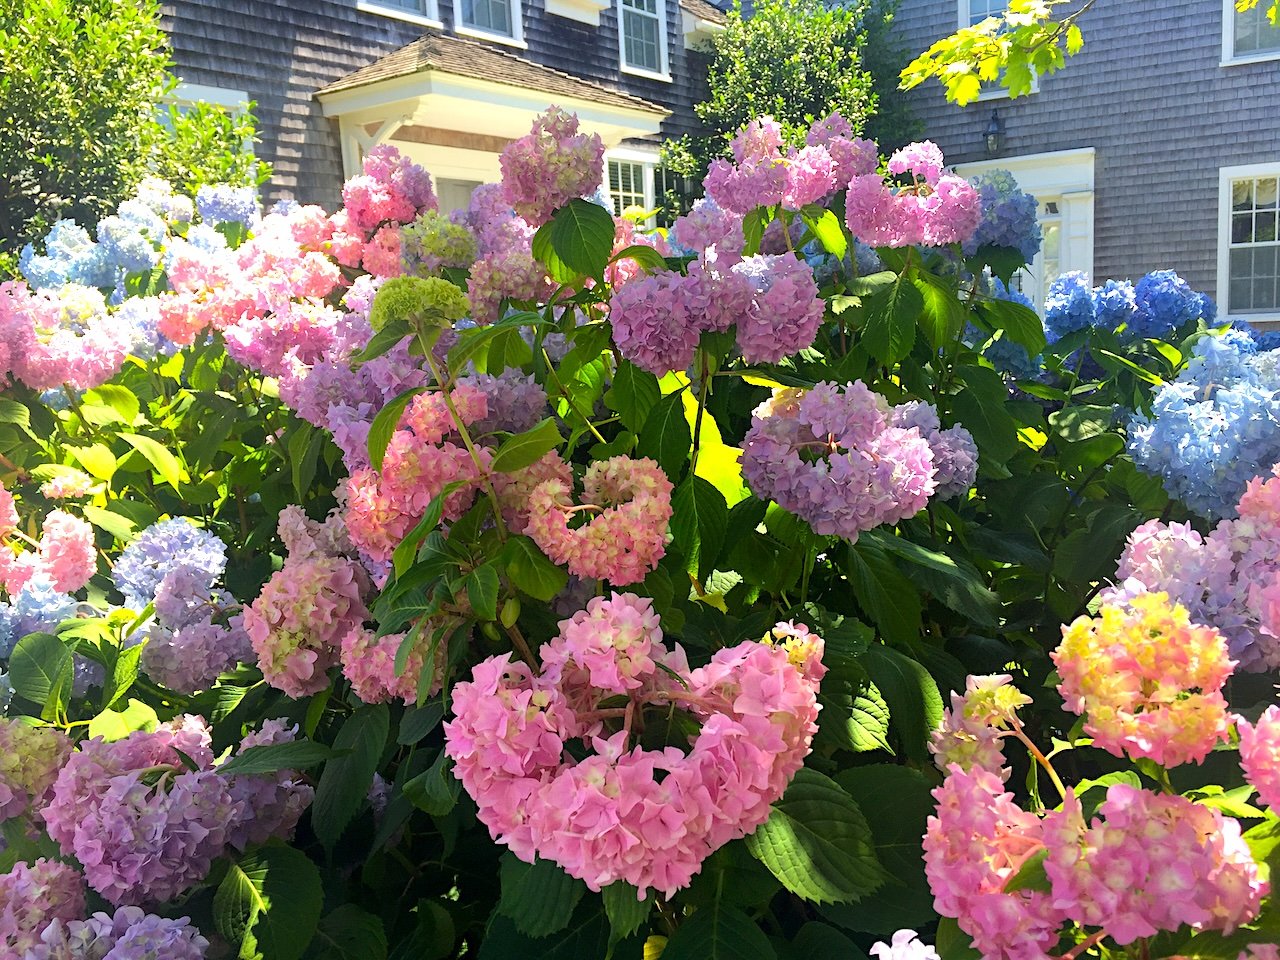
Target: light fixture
994, 134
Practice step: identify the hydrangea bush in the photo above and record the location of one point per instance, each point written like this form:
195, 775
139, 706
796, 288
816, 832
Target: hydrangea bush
519, 581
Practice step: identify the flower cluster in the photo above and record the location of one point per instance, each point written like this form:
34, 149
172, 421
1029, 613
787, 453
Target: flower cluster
1148, 680
65, 556
33, 896
833, 457
551, 165
369, 661
974, 725
935, 209
54, 338
1260, 755
1229, 579
30, 758
128, 934
298, 622
765, 172
1159, 305
1008, 216
627, 536
955, 455
1212, 429
424, 456
649, 817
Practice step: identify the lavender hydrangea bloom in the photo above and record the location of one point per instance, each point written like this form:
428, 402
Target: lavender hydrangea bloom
1008, 216
191, 657
515, 401
225, 203
162, 547
271, 803
955, 455
128, 934
7, 637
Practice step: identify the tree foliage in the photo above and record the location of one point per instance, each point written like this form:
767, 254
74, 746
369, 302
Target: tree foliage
1032, 38
80, 81
797, 61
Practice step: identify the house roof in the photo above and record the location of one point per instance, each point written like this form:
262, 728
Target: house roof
454, 55
704, 10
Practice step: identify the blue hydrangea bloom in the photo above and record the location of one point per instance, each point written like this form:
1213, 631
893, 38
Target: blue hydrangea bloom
1008, 216
141, 317
132, 237
70, 256
1214, 428
55, 398
224, 203
6, 693
39, 607
7, 623
162, 547
1165, 302
284, 207
1114, 303
1068, 307
1264, 339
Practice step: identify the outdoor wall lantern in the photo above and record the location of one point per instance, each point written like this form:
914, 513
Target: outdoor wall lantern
994, 134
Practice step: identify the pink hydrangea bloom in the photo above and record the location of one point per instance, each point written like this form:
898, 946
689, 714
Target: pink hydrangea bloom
32, 896
651, 323
68, 337
383, 252
8, 513
506, 273
785, 309
854, 157
709, 229
867, 473
297, 623
391, 188
977, 841
550, 166
922, 160
935, 209
1150, 862
71, 485
369, 662
626, 538
66, 555
975, 724
1148, 681
649, 817
1260, 755
514, 489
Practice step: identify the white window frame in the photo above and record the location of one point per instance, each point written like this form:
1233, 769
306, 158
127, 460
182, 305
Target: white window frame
663, 74
989, 92
516, 37
1226, 176
649, 162
429, 17
192, 93
1229, 58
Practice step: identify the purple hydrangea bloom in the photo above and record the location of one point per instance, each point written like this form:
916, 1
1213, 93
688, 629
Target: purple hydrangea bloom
955, 455
128, 934
191, 657
163, 547
515, 401
1008, 216
271, 802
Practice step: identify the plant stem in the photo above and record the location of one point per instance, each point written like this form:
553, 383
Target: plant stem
1035, 751
704, 369
569, 400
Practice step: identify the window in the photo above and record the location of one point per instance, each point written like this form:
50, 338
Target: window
635, 180
1249, 242
422, 12
642, 37
1249, 36
975, 11
492, 19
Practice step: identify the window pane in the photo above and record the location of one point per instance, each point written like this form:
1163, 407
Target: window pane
626, 185
413, 6
646, 6
1265, 193
1254, 32
491, 15
1242, 228
979, 10
640, 40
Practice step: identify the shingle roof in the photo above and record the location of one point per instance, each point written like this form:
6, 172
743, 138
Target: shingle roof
704, 10
466, 58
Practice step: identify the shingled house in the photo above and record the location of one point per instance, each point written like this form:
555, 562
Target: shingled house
447, 82
1158, 146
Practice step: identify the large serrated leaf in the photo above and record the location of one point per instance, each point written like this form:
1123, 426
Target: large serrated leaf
269, 904
817, 843
40, 669
915, 705
666, 438
346, 777
523, 449
890, 330
698, 520
719, 932
270, 757
540, 897
633, 393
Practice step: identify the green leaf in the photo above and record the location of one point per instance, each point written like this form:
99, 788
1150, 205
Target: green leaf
165, 463
304, 453
983, 412
1082, 422
113, 725
643, 255
96, 459
817, 843
665, 438
523, 449
11, 411
633, 394
952, 943
857, 717
915, 705
531, 571
719, 932
627, 913
890, 600
384, 425
586, 936
482, 591
890, 330
435, 790
539, 897
269, 904
1020, 323
268, 758
417, 722
384, 340
349, 933
942, 314
897, 803
40, 670
116, 403
698, 521
582, 235
957, 584
1031, 875
124, 671
347, 775
825, 226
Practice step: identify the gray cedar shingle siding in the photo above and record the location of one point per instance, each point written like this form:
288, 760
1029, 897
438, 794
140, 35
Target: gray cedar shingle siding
1149, 95
282, 52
